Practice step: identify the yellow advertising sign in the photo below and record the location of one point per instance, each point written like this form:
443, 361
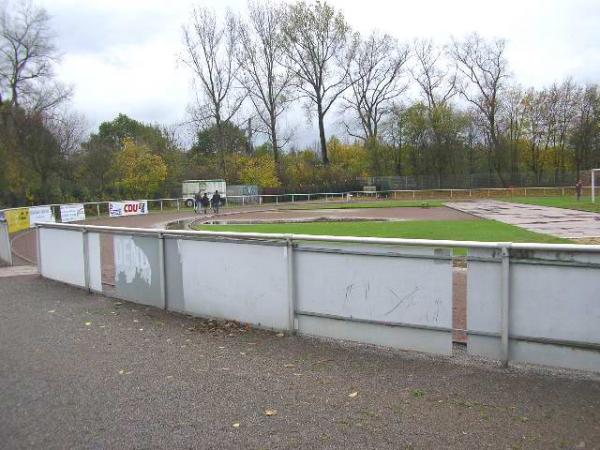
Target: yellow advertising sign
17, 219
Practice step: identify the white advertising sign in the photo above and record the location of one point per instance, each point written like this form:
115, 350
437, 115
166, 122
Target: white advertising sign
72, 213
132, 208
40, 214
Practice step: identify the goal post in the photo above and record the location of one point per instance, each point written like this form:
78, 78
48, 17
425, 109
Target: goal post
594, 172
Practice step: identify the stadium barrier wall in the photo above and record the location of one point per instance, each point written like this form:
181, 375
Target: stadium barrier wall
5, 248
535, 303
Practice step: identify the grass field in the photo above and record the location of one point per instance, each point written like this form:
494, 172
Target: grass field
460, 230
569, 202
368, 204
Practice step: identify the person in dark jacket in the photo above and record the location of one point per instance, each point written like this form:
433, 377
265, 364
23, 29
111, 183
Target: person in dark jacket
205, 203
197, 199
578, 189
216, 202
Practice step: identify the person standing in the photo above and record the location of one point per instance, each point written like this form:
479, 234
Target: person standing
205, 203
197, 199
216, 202
578, 189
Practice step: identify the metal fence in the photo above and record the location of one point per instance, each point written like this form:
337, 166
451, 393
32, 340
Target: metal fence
19, 218
535, 303
479, 180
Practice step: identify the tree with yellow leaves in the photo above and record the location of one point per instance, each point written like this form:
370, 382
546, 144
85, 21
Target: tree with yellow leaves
140, 172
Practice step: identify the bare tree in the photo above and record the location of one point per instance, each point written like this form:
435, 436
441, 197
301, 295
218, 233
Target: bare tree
376, 81
267, 80
210, 52
27, 52
436, 80
319, 45
483, 69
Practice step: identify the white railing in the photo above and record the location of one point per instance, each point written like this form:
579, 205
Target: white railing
101, 208
384, 291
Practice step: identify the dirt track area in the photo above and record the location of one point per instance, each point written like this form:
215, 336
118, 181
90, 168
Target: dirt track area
308, 215
85, 371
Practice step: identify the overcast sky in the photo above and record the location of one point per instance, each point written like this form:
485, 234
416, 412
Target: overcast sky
122, 55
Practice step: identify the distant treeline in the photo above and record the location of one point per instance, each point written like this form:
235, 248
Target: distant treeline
441, 113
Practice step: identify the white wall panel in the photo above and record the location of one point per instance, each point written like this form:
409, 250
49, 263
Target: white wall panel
549, 300
236, 281
61, 253
411, 289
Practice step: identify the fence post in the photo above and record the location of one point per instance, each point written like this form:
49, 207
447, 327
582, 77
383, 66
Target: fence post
277, 199
525, 192
289, 253
178, 209
38, 250
562, 192
161, 205
505, 293
162, 270
243, 200
86, 259
98, 209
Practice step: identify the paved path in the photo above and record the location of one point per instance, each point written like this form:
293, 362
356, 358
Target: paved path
565, 223
84, 371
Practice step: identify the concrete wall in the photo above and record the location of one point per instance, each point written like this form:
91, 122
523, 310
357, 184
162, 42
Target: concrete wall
398, 297
229, 280
5, 248
386, 295
554, 296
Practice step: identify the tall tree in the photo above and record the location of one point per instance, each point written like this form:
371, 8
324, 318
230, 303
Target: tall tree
319, 45
376, 81
27, 57
483, 69
210, 52
267, 80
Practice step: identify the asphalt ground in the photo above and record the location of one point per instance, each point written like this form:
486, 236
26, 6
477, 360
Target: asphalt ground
85, 371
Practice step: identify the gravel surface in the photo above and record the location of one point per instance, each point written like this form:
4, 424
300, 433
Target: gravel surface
84, 371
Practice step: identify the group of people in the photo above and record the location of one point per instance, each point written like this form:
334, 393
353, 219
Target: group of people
202, 202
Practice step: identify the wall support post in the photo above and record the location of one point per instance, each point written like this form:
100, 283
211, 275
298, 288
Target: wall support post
86, 259
505, 309
291, 289
162, 271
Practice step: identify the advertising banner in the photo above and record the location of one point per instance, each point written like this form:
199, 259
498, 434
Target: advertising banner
40, 214
17, 219
72, 213
131, 208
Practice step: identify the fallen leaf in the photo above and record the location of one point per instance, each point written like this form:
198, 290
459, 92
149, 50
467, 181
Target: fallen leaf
236, 425
353, 394
289, 365
221, 347
121, 372
280, 335
135, 321
87, 324
270, 412
51, 311
242, 353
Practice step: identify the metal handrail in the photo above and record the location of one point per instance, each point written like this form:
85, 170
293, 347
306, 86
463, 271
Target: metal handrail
327, 238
